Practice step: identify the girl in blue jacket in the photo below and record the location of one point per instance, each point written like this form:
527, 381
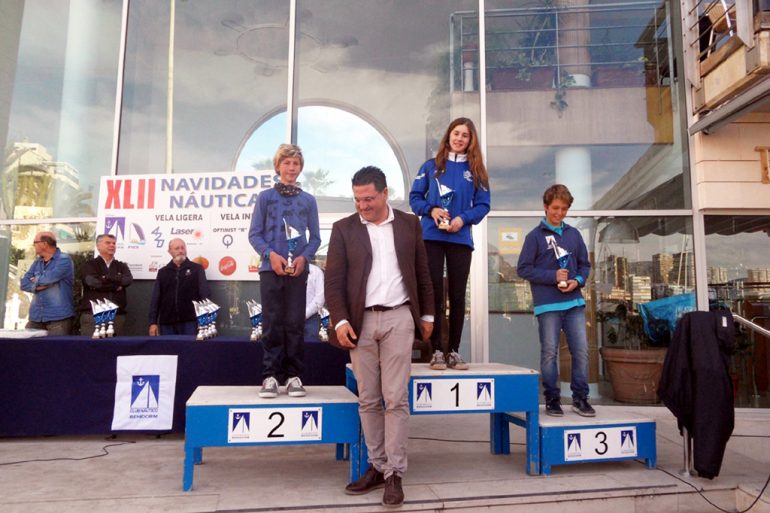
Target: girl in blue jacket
457, 173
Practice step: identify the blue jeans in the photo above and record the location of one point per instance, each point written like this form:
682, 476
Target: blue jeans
573, 322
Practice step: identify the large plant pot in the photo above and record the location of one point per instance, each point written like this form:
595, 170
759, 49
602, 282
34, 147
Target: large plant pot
634, 373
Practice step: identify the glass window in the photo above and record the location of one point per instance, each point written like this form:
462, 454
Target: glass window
738, 264
228, 75
373, 67
637, 264
57, 104
581, 94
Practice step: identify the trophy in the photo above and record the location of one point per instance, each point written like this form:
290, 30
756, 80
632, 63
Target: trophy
292, 239
200, 316
98, 312
445, 194
112, 311
255, 315
562, 257
323, 330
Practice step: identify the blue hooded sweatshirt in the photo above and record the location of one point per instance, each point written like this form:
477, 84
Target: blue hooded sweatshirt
538, 265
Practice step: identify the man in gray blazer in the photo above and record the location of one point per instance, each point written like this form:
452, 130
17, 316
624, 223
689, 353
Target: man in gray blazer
379, 294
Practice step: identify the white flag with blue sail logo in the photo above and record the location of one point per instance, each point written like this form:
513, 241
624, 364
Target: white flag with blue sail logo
144, 392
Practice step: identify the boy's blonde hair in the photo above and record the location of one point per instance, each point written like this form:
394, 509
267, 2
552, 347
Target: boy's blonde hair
286, 151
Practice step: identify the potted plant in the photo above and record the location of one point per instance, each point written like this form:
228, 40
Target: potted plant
633, 364
619, 63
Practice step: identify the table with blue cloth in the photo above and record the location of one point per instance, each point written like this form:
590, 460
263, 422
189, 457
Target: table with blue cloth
66, 385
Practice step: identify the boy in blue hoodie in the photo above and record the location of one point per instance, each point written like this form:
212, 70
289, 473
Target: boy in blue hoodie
554, 260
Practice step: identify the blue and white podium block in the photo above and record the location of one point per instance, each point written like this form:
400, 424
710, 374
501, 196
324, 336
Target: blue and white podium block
485, 388
610, 436
231, 416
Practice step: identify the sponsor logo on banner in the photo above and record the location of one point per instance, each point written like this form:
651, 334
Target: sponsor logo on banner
144, 396
144, 392
239, 424
211, 212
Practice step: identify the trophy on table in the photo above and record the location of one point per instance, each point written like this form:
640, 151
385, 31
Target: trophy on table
99, 314
293, 236
255, 316
112, 311
104, 312
445, 194
206, 315
562, 257
323, 330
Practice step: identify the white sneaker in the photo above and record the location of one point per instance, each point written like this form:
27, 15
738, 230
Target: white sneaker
269, 388
294, 387
455, 361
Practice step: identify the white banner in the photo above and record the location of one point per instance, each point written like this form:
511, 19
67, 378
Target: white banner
144, 392
274, 424
211, 212
453, 394
600, 443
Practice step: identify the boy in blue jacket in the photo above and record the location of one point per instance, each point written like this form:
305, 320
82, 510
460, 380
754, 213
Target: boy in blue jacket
554, 260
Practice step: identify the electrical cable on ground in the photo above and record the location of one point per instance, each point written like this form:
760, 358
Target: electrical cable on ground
105, 452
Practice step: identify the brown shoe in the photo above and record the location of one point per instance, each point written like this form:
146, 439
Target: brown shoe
394, 494
368, 482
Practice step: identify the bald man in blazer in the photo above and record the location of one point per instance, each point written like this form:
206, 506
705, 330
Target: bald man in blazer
379, 294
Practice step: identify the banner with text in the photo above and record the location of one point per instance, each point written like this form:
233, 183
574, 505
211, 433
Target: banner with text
211, 212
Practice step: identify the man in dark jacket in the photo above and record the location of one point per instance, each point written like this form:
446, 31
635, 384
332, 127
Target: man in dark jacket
104, 277
177, 285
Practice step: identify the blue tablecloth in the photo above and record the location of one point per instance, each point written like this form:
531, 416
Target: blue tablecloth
66, 385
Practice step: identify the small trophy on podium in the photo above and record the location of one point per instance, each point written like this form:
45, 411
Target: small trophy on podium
255, 315
562, 257
445, 194
292, 239
98, 311
323, 330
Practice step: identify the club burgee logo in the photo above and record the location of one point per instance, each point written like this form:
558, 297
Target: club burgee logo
627, 442
310, 423
424, 395
484, 393
144, 393
574, 449
240, 424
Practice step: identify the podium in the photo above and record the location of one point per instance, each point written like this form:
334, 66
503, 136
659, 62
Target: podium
236, 416
492, 388
610, 436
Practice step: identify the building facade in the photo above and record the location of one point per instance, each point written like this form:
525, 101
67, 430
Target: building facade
620, 101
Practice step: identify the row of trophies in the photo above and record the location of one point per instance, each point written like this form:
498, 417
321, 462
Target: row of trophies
104, 312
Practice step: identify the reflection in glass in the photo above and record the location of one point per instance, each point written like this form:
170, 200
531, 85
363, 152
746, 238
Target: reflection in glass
335, 144
61, 94
580, 93
394, 75
739, 278
230, 63
635, 261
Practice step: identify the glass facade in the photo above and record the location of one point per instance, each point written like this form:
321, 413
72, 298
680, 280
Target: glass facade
577, 92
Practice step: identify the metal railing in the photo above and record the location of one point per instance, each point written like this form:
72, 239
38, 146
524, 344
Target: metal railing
566, 40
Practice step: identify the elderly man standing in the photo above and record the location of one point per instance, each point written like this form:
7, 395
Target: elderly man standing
50, 280
177, 285
379, 293
104, 277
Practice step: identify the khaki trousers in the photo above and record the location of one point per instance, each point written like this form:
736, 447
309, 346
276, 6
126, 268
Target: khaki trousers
382, 364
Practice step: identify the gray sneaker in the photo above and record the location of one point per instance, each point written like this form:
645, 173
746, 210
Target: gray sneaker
455, 361
294, 387
269, 388
438, 362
